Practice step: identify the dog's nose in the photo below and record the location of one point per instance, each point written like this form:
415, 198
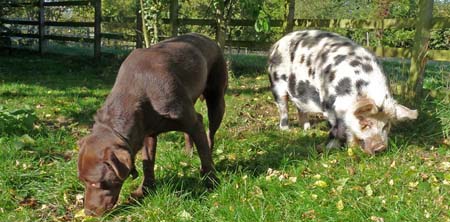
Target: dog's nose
95, 212
90, 212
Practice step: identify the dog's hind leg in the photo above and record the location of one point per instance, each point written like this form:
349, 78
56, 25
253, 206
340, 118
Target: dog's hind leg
214, 96
196, 130
188, 145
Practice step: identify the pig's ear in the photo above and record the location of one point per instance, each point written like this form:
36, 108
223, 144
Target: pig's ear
365, 107
119, 161
403, 113
398, 112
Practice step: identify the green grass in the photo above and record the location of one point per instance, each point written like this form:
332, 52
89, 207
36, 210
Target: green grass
266, 174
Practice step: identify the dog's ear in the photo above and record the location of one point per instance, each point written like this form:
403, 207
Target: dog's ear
120, 162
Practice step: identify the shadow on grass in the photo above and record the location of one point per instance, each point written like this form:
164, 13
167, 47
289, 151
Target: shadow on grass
188, 187
248, 65
428, 129
248, 91
58, 72
273, 150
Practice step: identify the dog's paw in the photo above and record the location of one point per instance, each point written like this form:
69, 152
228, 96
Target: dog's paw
210, 180
143, 190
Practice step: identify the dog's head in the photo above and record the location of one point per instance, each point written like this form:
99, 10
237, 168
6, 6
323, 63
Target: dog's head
103, 165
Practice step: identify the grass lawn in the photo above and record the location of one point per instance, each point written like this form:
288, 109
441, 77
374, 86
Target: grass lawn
266, 174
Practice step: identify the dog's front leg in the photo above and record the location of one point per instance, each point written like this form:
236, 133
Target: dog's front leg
148, 164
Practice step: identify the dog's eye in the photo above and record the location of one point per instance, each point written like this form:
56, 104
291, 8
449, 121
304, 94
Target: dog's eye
109, 184
95, 185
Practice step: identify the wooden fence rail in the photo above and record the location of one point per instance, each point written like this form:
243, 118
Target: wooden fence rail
42, 23
370, 24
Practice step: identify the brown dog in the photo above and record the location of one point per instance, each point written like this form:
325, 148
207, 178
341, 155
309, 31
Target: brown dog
154, 93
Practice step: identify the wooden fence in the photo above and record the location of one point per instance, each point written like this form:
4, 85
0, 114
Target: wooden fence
175, 22
42, 23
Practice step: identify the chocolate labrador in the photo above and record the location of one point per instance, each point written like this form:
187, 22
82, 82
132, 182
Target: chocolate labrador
155, 92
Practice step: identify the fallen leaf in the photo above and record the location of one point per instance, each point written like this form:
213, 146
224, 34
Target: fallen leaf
445, 166
184, 215
340, 205
320, 183
376, 219
413, 184
369, 191
80, 214
351, 171
310, 214
391, 182
29, 202
393, 164
350, 152
427, 214
341, 183
293, 179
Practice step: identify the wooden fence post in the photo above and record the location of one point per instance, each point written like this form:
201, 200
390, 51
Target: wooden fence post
290, 14
220, 23
97, 28
174, 17
419, 51
138, 25
41, 26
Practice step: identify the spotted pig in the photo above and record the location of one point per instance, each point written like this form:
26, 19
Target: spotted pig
327, 73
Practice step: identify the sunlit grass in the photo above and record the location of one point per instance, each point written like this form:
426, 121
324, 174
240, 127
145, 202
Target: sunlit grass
266, 174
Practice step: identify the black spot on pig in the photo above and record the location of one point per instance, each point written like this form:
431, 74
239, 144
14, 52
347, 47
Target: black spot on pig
338, 59
355, 63
308, 61
338, 132
292, 81
275, 77
302, 59
276, 58
311, 72
306, 91
293, 48
344, 87
329, 103
331, 76
367, 68
327, 69
360, 84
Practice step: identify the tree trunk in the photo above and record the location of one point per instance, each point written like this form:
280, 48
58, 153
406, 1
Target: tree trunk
139, 27
144, 25
419, 52
174, 17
